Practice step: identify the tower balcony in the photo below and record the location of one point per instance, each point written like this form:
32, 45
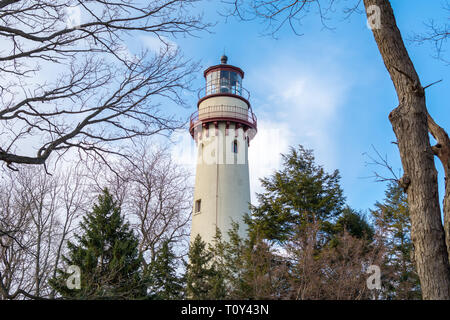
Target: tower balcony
216, 113
220, 87
224, 80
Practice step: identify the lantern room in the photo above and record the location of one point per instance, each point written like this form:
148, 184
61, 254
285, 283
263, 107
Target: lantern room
224, 78
223, 99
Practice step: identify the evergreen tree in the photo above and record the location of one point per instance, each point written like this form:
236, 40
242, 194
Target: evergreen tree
236, 262
164, 283
199, 272
219, 273
251, 268
106, 252
392, 220
262, 275
309, 231
299, 194
353, 222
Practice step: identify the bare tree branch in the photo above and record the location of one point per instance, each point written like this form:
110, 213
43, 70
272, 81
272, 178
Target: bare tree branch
437, 34
101, 93
381, 161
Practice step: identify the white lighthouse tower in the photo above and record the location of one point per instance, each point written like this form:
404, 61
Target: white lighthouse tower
222, 128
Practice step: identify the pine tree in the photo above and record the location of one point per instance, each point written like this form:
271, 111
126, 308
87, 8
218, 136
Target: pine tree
298, 194
106, 252
392, 220
300, 230
352, 222
262, 275
201, 278
219, 274
164, 283
250, 267
236, 264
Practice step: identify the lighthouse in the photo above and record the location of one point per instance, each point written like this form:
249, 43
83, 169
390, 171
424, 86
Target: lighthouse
222, 127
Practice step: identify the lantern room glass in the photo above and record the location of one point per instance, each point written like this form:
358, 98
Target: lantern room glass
224, 81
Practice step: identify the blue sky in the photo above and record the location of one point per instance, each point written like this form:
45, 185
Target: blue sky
327, 90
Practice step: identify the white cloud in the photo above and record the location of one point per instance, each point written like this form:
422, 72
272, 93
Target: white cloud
265, 151
296, 103
157, 44
305, 97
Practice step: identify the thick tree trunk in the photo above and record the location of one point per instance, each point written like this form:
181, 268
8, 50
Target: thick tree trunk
442, 151
409, 121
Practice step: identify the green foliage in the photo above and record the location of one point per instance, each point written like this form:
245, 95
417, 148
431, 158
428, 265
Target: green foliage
218, 268
236, 258
302, 244
107, 254
300, 193
247, 268
352, 222
199, 272
163, 281
235, 268
260, 276
392, 219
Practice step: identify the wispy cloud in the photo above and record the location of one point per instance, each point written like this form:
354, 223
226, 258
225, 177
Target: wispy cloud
156, 44
296, 103
265, 150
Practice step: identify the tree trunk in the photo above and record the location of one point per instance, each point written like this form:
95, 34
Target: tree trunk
442, 151
409, 122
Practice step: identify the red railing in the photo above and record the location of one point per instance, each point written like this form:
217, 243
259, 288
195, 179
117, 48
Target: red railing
223, 113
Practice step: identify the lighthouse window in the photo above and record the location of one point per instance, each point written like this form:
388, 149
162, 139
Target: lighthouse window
208, 83
235, 83
235, 146
212, 82
223, 81
198, 205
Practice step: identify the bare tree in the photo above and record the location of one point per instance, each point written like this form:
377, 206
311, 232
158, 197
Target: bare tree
69, 81
334, 271
437, 34
155, 194
74, 201
410, 121
40, 211
14, 243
